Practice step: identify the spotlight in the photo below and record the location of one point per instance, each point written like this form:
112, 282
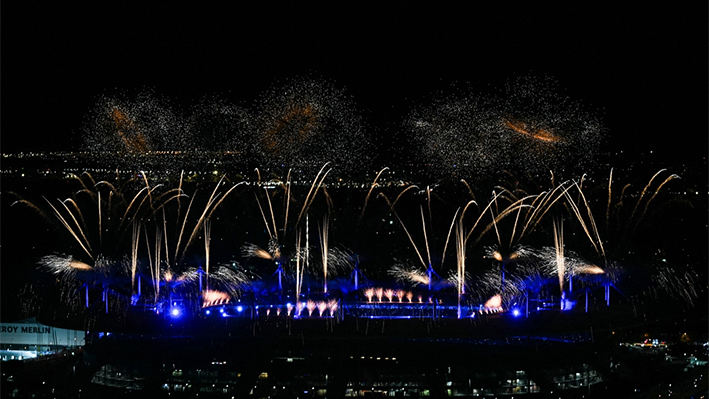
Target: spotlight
175, 312
208, 311
239, 308
515, 312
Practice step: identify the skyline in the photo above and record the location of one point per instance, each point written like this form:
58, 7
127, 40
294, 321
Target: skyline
642, 71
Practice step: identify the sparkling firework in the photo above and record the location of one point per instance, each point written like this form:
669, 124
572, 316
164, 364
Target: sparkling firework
400, 294
334, 262
529, 127
310, 305
63, 265
546, 130
428, 266
495, 302
379, 292
254, 251
99, 216
389, 294
265, 202
333, 305
369, 193
613, 240
136, 132
322, 306
559, 252
369, 293
125, 230
409, 274
113, 234
460, 274
324, 236
678, 283
211, 298
550, 259
528, 212
306, 123
458, 134
229, 278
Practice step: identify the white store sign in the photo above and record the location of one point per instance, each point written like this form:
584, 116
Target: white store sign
39, 334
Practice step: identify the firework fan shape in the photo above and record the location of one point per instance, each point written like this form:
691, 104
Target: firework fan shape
339, 261
131, 235
573, 264
97, 220
617, 235
307, 123
408, 273
526, 277
69, 268
224, 278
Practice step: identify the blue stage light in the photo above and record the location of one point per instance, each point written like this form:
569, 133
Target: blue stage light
207, 311
175, 312
515, 312
221, 310
239, 308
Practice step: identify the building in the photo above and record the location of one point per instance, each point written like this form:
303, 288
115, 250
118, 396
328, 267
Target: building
28, 339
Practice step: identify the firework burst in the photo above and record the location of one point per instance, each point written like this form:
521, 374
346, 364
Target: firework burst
528, 127
120, 231
228, 278
410, 274
64, 265
545, 129
614, 238
135, 132
306, 123
458, 134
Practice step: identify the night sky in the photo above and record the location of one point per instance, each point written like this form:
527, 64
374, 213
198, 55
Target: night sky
642, 68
